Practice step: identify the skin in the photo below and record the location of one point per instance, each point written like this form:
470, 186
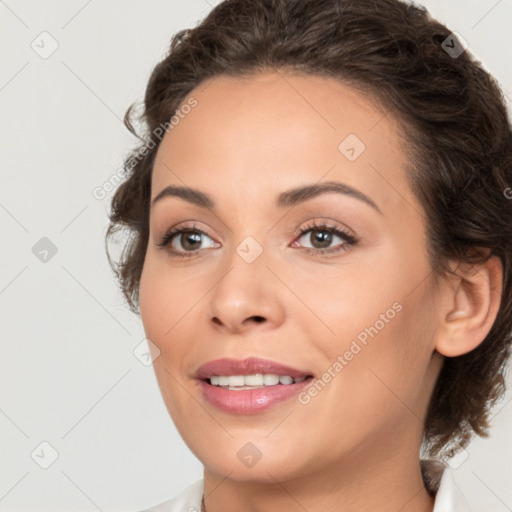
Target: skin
355, 446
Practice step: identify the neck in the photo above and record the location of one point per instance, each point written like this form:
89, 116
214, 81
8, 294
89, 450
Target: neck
394, 484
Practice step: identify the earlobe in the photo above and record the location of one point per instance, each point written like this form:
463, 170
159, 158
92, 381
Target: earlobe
470, 305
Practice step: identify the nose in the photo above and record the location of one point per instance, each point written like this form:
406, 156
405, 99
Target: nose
248, 296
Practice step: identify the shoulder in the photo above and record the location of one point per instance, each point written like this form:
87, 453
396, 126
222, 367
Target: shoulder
189, 500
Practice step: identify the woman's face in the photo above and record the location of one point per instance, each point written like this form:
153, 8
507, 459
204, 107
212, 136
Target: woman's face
356, 311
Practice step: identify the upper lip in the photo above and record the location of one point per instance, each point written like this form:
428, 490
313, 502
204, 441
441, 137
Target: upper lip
247, 366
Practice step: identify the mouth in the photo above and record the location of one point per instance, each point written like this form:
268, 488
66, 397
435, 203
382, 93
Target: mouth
253, 381
251, 385
252, 371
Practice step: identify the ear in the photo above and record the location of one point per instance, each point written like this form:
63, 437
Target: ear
469, 305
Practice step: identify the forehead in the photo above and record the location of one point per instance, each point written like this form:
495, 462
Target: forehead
277, 130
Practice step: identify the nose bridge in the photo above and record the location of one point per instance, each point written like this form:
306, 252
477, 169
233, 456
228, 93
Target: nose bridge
246, 288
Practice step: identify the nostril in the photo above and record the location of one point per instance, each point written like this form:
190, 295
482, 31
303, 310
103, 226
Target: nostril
259, 319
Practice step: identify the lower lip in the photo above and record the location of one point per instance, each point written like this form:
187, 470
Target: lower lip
250, 401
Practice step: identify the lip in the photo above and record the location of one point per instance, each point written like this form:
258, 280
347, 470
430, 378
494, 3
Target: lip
247, 366
249, 401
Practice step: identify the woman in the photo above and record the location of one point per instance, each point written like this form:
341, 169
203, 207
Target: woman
320, 252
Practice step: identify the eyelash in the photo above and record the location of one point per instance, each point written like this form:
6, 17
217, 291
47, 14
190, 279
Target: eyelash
350, 241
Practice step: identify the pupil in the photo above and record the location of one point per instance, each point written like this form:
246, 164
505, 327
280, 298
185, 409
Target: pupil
193, 237
323, 237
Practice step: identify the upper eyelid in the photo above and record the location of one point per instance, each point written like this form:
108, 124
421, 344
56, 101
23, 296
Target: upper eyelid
327, 224
311, 224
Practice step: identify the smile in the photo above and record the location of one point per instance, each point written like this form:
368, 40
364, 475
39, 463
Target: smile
251, 385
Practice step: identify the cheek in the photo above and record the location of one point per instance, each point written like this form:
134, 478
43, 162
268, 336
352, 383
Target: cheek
163, 298
168, 301
354, 302
380, 363
162, 304
380, 342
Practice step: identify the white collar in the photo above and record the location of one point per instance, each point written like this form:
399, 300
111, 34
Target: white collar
438, 477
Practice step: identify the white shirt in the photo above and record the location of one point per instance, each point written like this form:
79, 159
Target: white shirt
448, 497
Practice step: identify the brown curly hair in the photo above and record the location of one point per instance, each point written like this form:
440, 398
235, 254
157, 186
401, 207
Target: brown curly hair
452, 112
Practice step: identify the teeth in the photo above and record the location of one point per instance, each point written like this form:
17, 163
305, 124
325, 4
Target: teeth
254, 380
270, 379
236, 380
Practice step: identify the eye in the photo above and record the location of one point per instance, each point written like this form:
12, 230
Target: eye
322, 235
187, 241
188, 237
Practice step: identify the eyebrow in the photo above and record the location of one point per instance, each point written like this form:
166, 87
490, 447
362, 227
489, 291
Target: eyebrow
286, 199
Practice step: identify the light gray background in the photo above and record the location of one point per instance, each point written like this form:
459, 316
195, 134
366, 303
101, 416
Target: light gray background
68, 372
